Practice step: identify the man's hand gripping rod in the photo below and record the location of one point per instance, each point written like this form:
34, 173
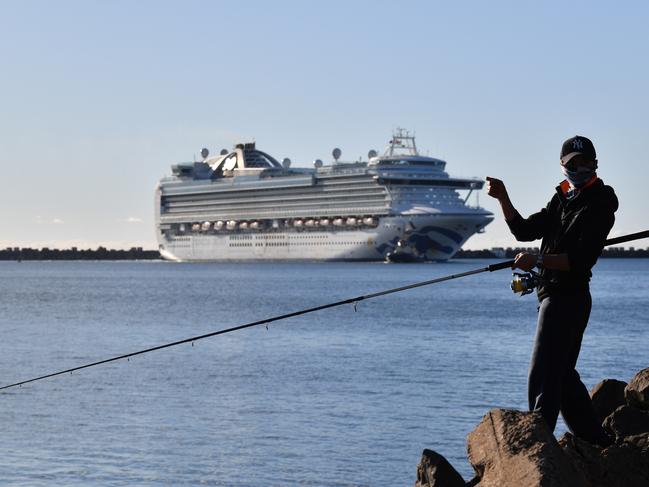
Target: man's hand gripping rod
526, 282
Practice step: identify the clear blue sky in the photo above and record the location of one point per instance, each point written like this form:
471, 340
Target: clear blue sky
99, 98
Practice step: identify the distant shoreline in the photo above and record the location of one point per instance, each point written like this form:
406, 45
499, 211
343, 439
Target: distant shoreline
510, 253
100, 253
138, 253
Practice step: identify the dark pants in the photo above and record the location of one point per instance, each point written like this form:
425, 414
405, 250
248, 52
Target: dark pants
554, 384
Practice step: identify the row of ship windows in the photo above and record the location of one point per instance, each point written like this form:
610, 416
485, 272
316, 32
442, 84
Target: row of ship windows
301, 244
344, 197
276, 237
314, 239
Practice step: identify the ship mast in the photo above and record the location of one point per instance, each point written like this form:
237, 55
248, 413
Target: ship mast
402, 142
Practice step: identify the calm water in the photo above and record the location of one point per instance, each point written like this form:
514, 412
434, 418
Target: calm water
340, 397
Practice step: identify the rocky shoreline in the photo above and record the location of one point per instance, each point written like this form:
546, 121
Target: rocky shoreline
516, 449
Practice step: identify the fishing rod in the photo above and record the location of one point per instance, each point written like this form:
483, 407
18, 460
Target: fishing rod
490, 268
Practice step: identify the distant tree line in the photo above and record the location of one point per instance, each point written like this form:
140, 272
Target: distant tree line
510, 253
100, 253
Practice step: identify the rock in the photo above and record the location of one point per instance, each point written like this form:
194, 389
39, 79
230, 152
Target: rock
585, 457
639, 441
627, 421
637, 392
514, 449
625, 466
606, 397
622, 465
435, 471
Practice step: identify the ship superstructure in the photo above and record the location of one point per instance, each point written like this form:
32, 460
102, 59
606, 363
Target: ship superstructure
244, 205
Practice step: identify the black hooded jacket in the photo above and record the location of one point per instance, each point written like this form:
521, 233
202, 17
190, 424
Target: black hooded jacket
577, 227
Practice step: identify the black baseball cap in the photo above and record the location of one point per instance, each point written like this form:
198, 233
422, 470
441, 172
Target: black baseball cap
577, 145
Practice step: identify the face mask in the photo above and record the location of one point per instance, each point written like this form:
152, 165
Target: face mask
579, 177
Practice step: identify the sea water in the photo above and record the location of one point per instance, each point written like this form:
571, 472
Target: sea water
348, 396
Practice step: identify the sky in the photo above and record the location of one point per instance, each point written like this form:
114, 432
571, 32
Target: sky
98, 99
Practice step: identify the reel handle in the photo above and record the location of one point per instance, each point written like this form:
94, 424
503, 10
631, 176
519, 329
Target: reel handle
501, 265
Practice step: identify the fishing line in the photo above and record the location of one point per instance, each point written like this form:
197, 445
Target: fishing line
353, 301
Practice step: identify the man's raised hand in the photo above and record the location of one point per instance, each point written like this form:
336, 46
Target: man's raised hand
496, 188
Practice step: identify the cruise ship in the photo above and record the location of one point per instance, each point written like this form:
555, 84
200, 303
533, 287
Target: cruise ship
245, 205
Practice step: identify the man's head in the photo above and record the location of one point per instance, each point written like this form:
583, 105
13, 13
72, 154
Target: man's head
578, 151
578, 160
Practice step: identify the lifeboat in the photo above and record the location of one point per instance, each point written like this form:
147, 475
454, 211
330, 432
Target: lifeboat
339, 222
297, 223
369, 221
351, 222
325, 222
218, 225
231, 225
254, 225
206, 226
196, 227
243, 225
310, 223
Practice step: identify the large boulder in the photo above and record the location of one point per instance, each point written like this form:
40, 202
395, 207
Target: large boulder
625, 465
514, 449
585, 457
606, 397
640, 441
435, 471
621, 465
627, 421
637, 392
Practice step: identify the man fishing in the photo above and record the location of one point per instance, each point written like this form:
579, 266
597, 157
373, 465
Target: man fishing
574, 226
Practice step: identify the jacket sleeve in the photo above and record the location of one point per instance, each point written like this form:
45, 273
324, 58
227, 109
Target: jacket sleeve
530, 228
594, 230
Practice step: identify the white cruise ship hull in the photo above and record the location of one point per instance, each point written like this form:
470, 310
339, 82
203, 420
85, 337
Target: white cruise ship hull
420, 237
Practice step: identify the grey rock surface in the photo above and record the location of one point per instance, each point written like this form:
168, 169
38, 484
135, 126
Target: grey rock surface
607, 396
627, 421
637, 391
435, 471
513, 449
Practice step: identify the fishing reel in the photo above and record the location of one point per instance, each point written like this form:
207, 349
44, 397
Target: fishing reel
526, 282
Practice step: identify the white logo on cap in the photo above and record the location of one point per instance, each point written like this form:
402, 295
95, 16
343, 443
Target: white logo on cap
577, 144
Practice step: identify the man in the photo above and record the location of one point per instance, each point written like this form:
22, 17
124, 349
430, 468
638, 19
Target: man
574, 226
